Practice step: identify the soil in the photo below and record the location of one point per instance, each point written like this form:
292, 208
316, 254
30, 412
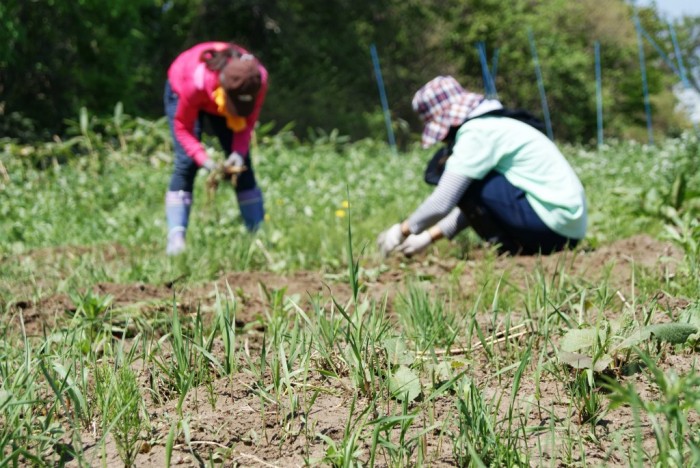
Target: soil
229, 424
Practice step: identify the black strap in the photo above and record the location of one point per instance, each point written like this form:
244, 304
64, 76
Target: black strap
517, 114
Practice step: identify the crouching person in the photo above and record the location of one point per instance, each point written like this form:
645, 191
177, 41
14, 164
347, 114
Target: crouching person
501, 176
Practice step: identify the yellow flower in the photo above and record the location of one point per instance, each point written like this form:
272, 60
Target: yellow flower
345, 204
340, 213
267, 216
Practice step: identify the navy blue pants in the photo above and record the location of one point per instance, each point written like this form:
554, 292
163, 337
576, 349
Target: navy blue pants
185, 168
500, 213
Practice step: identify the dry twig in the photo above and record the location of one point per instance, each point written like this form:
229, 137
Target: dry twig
499, 337
256, 459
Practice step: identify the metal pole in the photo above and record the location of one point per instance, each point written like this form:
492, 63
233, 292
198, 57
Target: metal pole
494, 67
679, 55
540, 85
661, 52
382, 97
599, 94
681, 66
489, 85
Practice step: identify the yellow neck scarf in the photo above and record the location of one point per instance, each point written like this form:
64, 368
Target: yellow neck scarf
234, 122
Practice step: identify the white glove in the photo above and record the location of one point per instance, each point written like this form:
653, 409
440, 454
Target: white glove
209, 165
390, 239
235, 160
415, 243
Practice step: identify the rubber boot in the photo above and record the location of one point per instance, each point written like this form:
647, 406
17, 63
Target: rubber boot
177, 213
252, 209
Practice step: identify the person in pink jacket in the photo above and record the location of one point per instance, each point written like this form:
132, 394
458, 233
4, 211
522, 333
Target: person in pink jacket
223, 84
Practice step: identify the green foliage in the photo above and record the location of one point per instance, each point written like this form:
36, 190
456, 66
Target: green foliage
678, 395
190, 362
404, 384
428, 322
691, 316
95, 216
347, 452
586, 399
119, 398
109, 199
91, 316
23, 437
62, 56
482, 440
688, 32
400, 450
604, 344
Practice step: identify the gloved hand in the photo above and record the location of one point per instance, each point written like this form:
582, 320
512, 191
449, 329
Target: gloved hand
415, 243
234, 160
390, 239
233, 167
210, 165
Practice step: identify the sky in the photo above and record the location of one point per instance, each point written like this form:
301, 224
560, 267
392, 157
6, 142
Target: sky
674, 9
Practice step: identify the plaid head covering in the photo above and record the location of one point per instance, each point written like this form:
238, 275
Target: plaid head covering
443, 103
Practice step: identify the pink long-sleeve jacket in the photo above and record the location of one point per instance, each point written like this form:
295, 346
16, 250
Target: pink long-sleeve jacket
194, 84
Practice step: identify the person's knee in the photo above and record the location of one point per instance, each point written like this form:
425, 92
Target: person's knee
182, 180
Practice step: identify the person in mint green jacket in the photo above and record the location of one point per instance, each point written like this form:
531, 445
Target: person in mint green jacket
502, 177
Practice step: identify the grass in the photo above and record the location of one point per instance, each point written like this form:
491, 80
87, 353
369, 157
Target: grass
454, 357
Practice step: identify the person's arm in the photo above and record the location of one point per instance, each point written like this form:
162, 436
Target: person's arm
453, 223
183, 127
438, 205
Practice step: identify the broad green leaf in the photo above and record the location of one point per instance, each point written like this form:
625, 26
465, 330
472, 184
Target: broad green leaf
674, 333
652, 200
442, 371
404, 383
397, 352
575, 340
616, 325
669, 212
633, 339
691, 316
581, 361
678, 191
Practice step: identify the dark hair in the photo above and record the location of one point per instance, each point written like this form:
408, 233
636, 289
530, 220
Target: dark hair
216, 60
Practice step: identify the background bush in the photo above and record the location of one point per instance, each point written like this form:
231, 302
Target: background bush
61, 55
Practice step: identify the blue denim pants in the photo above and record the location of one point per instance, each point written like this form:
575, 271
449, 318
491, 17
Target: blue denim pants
185, 169
500, 213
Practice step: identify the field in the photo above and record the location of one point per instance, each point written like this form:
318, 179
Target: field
302, 346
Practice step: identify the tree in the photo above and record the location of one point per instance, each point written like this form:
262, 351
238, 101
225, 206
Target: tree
62, 55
